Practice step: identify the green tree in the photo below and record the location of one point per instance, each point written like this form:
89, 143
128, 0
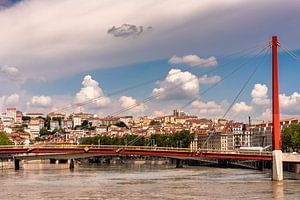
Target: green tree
85, 124
121, 124
4, 140
47, 122
45, 131
59, 119
154, 122
38, 139
26, 118
290, 137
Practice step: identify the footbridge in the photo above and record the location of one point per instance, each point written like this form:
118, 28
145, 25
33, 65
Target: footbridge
82, 151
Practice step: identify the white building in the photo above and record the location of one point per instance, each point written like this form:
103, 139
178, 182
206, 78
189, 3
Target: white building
12, 113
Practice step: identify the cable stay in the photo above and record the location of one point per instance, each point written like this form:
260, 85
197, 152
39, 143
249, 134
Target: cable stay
244, 86
224, 78
180, 84
239, 93
290, 52
93, 100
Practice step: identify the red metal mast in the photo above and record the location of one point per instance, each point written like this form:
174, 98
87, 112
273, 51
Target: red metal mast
275, 96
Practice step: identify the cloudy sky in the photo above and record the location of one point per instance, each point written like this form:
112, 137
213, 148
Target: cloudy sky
70, 55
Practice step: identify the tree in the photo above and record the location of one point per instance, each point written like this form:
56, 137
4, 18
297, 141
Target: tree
45, 131
154, 122
4, 140
290, 137
47, 122
26, 118
59, 119
121, 124
85, 124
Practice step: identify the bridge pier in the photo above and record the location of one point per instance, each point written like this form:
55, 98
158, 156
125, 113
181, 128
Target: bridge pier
17, 164
277, 169
71, 166
53, 161
261, 164
179, 163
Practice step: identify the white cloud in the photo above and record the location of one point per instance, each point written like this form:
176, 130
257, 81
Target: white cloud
290, 105
266, 115
2, 101
40, 101
205, 79
91, 91
177, 85
128, 102
12, 100
210, 107
158, 113
12, 71
259, 94
194, 61
241, 107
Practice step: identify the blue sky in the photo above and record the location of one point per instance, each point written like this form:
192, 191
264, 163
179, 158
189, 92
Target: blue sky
49, 47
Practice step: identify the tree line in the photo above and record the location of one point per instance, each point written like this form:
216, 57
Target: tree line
179, 139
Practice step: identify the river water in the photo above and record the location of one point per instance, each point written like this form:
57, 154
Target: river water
145, 182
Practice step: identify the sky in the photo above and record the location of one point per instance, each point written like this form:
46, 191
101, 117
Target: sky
55, 54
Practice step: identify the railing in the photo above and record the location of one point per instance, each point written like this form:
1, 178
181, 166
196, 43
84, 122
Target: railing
145, 148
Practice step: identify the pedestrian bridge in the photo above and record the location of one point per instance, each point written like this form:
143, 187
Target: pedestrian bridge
32, 152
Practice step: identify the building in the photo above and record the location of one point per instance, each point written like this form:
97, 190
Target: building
241, 135
54, 124
56, 115
34, 115
177, 112
35, 125
219, 140
128, 120
262, 132
78, 118
12, 113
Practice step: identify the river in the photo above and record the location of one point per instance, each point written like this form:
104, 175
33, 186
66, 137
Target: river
145, 182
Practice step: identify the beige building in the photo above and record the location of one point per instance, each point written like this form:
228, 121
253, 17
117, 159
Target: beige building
262, 132
217, 140
11, 113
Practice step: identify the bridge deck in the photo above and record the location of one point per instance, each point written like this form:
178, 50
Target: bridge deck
79, 151
86, 151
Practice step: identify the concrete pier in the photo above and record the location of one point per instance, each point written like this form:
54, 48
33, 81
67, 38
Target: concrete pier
71, 164
53, 161
179, 163
17, 164
277, 168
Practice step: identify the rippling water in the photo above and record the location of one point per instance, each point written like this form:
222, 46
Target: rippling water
145, 182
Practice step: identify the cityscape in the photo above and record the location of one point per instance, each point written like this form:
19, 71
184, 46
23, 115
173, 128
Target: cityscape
58, 128
181, 99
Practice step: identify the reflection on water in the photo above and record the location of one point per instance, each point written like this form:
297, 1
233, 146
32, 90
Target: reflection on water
144, 182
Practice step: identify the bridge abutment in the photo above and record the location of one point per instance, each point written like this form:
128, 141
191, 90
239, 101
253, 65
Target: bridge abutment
277, 171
